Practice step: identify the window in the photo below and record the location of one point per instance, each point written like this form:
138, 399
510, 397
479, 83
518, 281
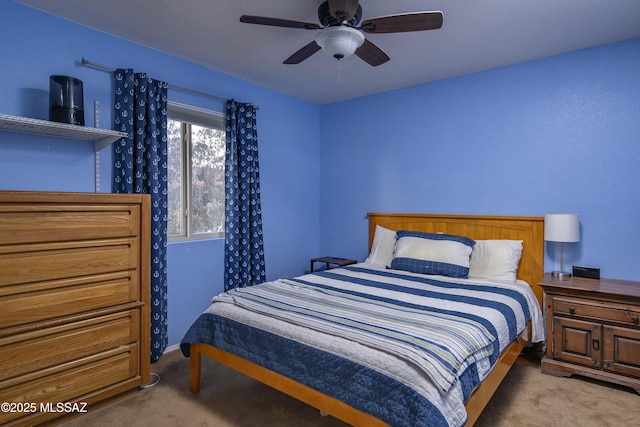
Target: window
196, 141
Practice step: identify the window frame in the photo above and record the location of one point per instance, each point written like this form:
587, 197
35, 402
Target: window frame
191, 115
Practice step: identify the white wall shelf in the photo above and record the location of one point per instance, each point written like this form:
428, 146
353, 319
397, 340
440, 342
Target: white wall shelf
101, 137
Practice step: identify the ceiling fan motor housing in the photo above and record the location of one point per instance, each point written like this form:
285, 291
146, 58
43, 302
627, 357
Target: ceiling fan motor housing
328, 20
340, 42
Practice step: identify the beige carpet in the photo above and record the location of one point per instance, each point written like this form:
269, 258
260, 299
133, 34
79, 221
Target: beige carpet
526, 398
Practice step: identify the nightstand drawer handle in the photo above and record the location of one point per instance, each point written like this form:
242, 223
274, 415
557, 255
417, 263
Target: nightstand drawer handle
634, 319
572, 310
596, 344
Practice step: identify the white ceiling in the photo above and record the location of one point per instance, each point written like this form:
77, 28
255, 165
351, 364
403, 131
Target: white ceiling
476, 35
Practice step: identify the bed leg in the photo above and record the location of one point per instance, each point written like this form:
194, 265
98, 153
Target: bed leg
194, 365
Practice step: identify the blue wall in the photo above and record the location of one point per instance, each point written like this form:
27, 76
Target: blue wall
36, 45
550, 136
556, 135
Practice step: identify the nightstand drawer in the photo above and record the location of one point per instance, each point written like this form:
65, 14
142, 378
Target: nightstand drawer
594, 310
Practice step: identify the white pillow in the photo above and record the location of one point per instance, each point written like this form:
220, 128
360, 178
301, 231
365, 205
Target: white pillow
495, 259
429, 253
384, 243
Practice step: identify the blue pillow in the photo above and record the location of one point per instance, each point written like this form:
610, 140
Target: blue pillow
432, 253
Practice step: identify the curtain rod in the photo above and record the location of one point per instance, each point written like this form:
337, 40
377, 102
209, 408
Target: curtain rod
171, 86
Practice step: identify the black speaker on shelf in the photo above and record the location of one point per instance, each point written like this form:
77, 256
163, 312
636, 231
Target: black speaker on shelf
66, 103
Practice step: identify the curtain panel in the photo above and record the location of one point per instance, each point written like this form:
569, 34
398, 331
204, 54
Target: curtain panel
244, 249
140, 166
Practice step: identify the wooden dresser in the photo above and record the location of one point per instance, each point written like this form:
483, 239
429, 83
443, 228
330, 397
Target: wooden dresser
74, 302
593, 329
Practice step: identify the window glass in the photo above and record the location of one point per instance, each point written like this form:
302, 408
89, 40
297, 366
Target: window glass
207, 180
196, 172
175, 185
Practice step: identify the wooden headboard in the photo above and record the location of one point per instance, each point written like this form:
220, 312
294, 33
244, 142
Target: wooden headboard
529, 229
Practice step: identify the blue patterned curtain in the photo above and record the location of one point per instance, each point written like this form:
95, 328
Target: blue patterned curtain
243, 251
140, 166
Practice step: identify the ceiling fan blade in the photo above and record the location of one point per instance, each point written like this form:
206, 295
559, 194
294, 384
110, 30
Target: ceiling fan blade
303, 53
344, 10
417, 21
276, 22
371, 54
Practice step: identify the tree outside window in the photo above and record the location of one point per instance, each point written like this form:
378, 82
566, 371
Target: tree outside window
196, 141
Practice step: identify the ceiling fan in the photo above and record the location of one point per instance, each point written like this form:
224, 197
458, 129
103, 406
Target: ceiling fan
340, 36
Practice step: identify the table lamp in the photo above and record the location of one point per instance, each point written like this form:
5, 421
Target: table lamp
561, 228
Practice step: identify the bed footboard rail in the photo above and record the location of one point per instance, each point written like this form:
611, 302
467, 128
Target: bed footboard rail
320, 401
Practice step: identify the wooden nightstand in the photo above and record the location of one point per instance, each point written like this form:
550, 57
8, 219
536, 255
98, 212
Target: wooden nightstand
593, 329
340, 262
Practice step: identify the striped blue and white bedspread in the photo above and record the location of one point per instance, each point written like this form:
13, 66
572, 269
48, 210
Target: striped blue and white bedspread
440, 326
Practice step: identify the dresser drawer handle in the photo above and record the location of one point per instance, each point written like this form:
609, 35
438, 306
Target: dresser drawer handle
572, 310
634, 319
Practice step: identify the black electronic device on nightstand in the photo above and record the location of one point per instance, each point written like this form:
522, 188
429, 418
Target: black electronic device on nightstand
586, 272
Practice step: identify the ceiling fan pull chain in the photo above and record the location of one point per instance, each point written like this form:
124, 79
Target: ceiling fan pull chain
339, 70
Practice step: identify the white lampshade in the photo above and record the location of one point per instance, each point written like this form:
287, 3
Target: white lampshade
562, 228
340, 42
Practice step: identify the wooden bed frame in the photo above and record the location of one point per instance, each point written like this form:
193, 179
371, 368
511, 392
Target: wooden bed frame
528, 229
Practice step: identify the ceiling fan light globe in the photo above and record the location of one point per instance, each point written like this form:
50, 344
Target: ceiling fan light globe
340, 42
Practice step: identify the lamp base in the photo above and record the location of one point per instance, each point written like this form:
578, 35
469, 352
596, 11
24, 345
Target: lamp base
561, 275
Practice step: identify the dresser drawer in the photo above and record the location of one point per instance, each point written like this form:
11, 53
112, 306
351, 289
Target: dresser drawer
49, 300
594, 310
40, 262
82, 378
35, 350
54, 222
